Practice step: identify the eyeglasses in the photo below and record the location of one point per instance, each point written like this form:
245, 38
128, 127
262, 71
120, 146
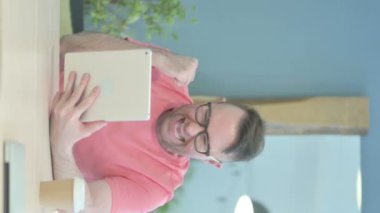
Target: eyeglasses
201, 140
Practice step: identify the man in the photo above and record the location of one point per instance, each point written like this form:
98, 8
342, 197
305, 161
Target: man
137, 166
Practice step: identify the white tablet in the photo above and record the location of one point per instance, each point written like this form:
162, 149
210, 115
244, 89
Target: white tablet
124, 77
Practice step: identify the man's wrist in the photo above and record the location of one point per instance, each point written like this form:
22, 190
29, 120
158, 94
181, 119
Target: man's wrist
64, 165
61, 150
159, 58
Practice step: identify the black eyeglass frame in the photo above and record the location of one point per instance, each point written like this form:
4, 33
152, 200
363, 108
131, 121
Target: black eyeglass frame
204, 131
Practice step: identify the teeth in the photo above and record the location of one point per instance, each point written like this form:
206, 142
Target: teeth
179, 129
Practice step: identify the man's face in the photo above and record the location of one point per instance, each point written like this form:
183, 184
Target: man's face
177, 129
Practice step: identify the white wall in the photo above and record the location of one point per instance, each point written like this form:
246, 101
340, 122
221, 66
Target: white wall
294, 174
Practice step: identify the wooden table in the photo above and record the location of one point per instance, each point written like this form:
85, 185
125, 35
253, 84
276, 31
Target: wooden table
29, 46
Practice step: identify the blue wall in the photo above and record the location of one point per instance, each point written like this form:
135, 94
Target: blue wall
278, 48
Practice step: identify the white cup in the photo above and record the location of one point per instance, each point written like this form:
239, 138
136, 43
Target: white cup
66, 195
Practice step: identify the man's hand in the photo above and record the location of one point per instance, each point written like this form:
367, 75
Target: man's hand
66, 110
181, 68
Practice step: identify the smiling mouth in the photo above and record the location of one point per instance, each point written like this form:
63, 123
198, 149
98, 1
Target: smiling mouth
179, 130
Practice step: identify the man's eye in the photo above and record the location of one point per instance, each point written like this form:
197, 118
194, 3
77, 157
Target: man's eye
206, 114
202, 115
201, 142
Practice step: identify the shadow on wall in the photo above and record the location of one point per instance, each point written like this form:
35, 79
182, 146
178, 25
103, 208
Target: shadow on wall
259, 207
76, 10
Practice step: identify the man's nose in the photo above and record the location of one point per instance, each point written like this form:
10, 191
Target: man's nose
191, 129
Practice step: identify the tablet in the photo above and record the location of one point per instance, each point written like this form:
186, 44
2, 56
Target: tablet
124, 77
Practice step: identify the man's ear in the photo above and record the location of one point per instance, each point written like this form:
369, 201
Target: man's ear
217, 164
221, 99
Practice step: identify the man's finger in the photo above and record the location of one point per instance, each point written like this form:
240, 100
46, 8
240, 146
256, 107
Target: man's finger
78, 92
55, 100
69, 86
86, 103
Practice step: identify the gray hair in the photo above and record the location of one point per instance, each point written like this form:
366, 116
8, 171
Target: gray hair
250, 137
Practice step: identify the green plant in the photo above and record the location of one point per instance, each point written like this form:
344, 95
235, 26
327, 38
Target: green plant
116, 16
